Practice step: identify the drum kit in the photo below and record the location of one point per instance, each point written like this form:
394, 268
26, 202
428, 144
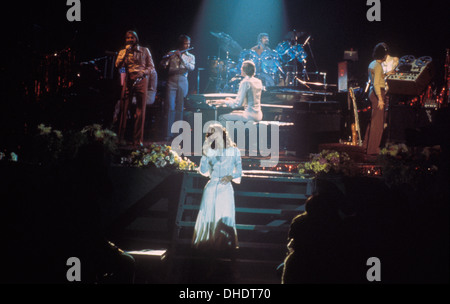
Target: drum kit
277, 67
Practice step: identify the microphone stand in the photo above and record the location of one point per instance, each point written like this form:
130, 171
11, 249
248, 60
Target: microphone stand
312, 54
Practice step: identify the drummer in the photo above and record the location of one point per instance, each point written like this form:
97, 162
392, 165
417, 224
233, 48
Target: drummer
262, 44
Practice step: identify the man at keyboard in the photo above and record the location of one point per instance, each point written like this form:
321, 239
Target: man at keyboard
248, 96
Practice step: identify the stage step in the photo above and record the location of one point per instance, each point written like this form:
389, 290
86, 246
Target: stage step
265, 202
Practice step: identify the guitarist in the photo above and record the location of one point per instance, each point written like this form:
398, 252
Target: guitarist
177, 64
377, 96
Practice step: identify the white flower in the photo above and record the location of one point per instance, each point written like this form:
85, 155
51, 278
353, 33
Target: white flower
58, 134
14, 157
146, 160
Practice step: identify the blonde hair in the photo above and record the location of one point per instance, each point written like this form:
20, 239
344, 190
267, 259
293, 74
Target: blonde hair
213, 128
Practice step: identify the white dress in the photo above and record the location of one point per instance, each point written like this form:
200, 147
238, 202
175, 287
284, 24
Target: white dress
215, 227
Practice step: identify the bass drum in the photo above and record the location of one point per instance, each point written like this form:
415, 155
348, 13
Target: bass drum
300, 53
285, 52
227, 66
269, 62
247, 55
282, 47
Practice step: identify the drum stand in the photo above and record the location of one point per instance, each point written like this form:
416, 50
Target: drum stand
222, 86
292, 78
305, 76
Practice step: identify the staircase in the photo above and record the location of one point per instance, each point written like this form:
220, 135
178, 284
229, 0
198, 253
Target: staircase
266, 202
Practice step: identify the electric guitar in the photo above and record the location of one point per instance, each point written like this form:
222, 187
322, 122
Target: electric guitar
356, 130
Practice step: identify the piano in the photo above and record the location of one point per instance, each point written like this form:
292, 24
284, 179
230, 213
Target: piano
213, 101
204, 101
216, 101
307, 117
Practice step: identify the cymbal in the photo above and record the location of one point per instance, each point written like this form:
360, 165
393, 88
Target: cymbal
220, 35
294, 35
227, 43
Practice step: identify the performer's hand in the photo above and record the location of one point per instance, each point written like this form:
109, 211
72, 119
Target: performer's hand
380, 105
389, 73
178, 53
141, 74
229, 101
226, 179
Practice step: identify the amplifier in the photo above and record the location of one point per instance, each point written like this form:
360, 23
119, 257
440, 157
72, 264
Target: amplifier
411, 75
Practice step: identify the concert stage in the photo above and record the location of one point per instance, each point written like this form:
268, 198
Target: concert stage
53, 213
65, 195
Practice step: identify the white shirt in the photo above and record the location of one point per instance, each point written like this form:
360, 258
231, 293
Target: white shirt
389, 64
181, 66
248, 96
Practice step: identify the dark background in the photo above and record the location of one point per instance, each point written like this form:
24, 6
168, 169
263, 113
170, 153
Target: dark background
409, 27
34, 29
39, 28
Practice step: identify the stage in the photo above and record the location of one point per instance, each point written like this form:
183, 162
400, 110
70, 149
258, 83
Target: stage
123, 210
53, 212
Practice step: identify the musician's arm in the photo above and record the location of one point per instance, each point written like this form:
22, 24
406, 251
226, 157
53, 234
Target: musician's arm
120, 60
188, 61
238, 101
164, 63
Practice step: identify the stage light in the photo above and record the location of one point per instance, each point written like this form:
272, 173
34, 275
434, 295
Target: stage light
241, 20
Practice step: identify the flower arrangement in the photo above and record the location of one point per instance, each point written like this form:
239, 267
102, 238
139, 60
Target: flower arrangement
394, 150
48, 143
327, 162
403, 165
12, 157
96, 133
91, 135
160, 156
51, 146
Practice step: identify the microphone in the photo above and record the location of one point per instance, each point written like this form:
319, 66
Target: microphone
129, 47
